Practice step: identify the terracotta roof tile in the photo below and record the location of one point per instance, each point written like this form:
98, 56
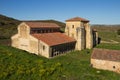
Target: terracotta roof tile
77, 19
41, 25
53, 38
105, 54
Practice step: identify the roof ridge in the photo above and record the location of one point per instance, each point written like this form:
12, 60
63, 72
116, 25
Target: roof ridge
78, 19
42, 24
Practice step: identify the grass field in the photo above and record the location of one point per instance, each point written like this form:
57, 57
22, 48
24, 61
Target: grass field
108, 36
19, 65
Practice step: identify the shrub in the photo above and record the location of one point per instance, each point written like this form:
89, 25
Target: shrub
118, 31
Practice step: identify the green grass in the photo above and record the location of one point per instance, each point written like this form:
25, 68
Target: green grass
109, 46
109, 35
20, 65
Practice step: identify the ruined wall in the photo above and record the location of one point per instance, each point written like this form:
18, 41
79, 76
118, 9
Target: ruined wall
106, 65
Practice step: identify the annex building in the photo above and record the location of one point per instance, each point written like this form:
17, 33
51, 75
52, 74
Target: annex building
45, 39
106, 59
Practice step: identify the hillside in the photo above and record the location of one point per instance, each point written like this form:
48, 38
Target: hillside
106, 27
16, 64
108, 33
8, 26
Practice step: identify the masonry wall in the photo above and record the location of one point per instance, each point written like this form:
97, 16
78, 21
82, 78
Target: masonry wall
15, 40
81, 40
84, 36
89, 36
44, 49
106, 65
69, 30
23, 40
33, 45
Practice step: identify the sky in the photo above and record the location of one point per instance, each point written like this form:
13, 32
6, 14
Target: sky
97, 11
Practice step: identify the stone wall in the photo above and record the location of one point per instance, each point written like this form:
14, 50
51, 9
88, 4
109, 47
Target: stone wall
89, 36
44, 49
33, 45
106, 65
82, 32
70, 29
81, 41
23, 40
15, 41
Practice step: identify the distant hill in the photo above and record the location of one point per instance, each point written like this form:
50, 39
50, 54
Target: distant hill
8, 25
106, 27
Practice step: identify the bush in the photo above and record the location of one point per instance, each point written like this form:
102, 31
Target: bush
118, 31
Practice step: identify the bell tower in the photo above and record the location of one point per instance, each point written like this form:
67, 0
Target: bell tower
79, 29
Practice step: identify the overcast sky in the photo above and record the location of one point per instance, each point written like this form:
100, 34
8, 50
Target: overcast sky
97, 11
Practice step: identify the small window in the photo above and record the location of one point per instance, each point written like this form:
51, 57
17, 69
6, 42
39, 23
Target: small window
43, 47
72, 26
113, 67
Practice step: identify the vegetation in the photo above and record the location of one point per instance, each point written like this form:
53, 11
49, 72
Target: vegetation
108, 32
109, 46
16, 64
118, 32
8, 27
109, 36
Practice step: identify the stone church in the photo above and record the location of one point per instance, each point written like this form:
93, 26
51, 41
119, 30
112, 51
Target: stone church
45, 39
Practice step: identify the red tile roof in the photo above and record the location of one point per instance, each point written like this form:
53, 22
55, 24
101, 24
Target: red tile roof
42, 25
54, 38
77, 19
105, 54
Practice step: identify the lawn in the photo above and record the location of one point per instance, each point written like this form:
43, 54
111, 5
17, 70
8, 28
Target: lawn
16, 64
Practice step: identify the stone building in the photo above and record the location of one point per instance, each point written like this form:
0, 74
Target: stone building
79, 29
106, 59
45, 39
